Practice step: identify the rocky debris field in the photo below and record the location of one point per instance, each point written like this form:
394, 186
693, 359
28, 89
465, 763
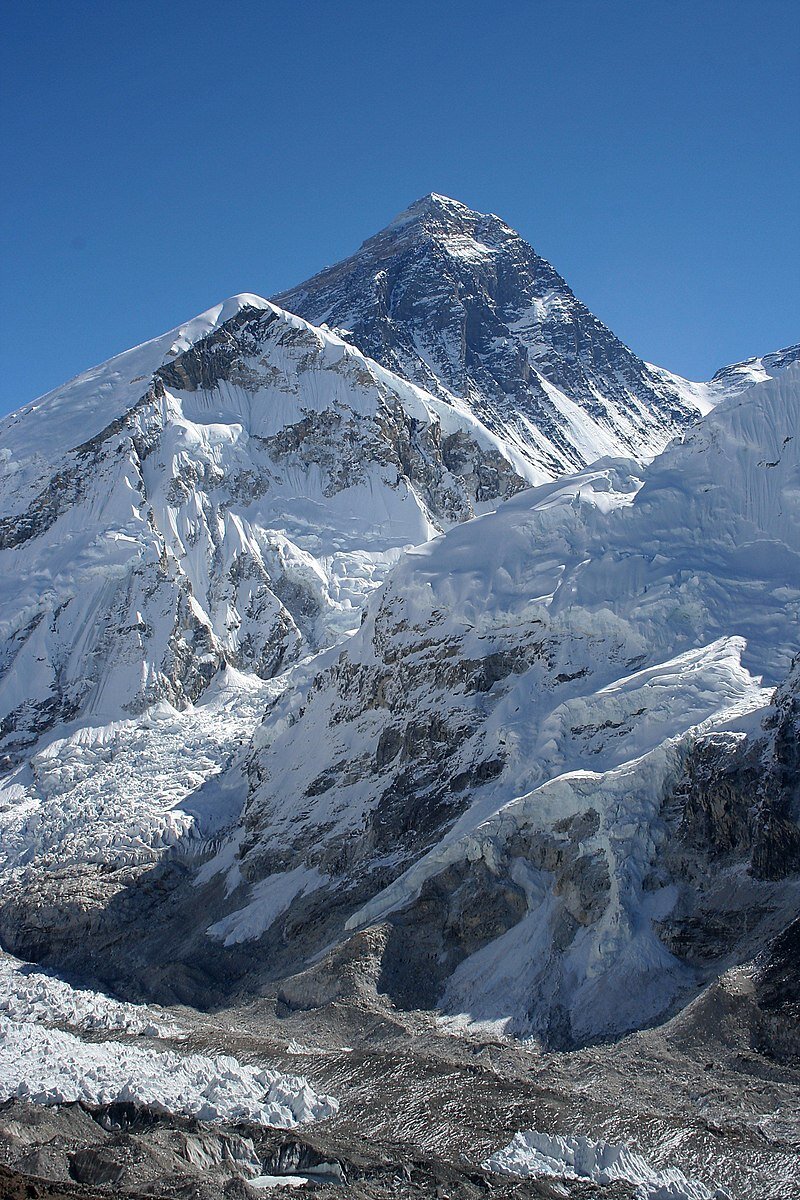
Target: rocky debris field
422, 1109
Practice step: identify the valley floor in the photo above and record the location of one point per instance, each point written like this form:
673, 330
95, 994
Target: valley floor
421, 1110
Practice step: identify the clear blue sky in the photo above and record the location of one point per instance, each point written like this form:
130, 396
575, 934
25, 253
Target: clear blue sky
158, 157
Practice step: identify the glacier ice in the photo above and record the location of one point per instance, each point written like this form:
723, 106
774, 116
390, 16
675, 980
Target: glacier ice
550, 1156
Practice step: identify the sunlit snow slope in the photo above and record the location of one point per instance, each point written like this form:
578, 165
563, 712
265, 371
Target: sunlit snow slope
226, 494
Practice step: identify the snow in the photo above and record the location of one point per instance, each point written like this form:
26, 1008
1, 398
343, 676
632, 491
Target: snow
432, 203
91, 607
710, 546
29, 994
616, 974
44, 429
730, 380
467, 248
459, 302
173, 768
273, 1181
643, 609
540, 1155
741, 376
664, 598
49, 1066
203, 530
270, 897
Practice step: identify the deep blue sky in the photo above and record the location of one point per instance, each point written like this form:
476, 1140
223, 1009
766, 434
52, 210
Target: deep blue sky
161, 156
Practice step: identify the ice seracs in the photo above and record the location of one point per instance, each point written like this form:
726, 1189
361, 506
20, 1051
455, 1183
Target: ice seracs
44, 1062
28, 994
49, 1066
536, 1154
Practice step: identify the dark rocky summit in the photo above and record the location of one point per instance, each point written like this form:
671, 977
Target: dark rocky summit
459, 303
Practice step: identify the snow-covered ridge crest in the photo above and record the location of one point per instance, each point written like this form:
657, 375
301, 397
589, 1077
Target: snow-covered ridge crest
738, 377
78, 410
228, 493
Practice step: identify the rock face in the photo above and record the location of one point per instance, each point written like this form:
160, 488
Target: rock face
734, 854
456, 301
540, 763
227, 494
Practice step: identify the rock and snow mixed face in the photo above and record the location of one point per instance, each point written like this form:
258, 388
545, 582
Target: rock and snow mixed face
481, 766
461, 304
484, 764
228, 493
738, 377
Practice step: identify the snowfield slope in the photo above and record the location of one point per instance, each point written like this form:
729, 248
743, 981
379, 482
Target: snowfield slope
493, 770
458, 302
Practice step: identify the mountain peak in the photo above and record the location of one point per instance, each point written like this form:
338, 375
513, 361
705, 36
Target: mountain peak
459, 303
434, 203
441, 215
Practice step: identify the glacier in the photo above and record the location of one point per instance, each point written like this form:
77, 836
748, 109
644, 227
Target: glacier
536, 1154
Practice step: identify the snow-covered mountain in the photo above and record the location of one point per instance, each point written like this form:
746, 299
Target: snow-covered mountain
229, 493
738, 377
509, 772
490, 765
225, 494
459, 303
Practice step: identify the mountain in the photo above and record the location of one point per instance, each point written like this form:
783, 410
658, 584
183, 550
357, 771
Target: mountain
226, 494
738, 377
460, 304
229, 493
212, 606
513, 773
403, 717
